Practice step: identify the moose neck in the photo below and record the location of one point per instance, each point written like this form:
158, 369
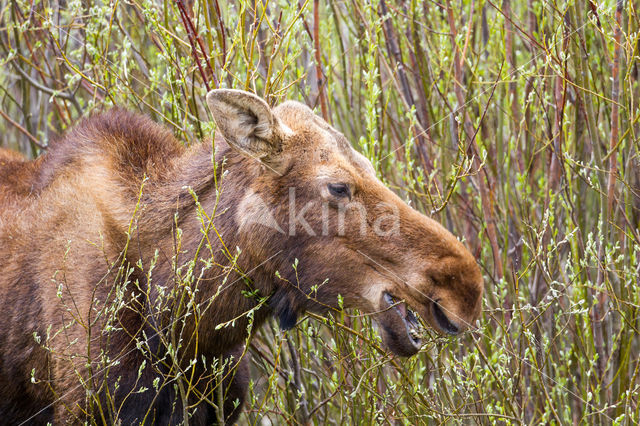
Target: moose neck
197, 200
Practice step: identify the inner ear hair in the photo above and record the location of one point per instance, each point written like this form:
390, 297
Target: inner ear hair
247, 123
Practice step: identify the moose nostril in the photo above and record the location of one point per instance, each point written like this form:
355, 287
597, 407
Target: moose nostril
443, 320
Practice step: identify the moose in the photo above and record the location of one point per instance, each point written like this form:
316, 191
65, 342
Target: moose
114, 209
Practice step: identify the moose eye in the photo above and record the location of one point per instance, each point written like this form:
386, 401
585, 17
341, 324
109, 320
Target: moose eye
340, 190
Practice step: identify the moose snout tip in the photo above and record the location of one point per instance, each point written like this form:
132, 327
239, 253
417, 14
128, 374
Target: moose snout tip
455, 304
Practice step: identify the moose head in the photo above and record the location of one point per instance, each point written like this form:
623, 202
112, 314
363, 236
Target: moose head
310, 198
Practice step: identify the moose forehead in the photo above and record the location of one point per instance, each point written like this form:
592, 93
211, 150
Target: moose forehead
323, 142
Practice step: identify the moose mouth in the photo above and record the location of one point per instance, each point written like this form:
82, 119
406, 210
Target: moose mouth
400, 326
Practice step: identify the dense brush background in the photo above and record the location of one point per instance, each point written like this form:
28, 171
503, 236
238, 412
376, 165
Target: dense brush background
513, 123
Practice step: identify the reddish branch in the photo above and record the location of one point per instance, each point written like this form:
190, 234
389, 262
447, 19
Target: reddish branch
23, 130
316, 45
195, 41
486, 196
615, 110
599, 309
396, 55
560, 92
513, 91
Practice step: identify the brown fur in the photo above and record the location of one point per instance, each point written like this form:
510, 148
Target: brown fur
64, 220
16, 174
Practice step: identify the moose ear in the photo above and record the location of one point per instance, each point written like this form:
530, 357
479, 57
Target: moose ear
247, 123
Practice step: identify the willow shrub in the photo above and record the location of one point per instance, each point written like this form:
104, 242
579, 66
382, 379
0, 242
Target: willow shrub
514, 123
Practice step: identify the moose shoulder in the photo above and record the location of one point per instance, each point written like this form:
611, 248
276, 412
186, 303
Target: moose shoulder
99, 235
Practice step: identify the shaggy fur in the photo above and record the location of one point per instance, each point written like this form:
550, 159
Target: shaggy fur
65, 219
